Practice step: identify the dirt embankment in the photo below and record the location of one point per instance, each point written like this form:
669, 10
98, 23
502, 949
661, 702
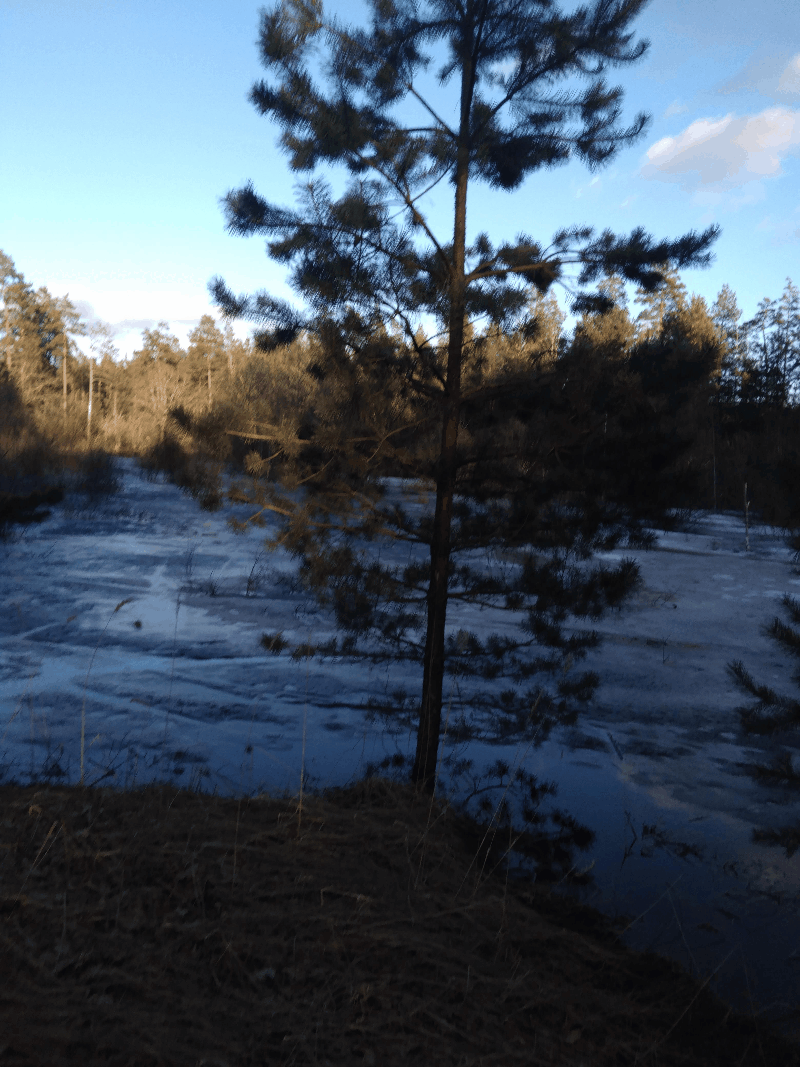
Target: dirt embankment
168, 927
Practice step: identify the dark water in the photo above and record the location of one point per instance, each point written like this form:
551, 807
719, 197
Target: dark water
691, 883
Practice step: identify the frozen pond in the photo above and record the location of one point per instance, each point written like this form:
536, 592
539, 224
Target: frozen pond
176, 684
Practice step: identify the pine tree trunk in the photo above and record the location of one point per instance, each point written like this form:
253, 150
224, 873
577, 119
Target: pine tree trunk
430, 720
424, 771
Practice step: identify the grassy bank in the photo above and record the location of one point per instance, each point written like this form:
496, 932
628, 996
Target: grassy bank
367, 925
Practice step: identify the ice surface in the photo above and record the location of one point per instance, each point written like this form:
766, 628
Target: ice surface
174, 683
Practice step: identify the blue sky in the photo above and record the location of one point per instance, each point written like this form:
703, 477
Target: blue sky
125, 121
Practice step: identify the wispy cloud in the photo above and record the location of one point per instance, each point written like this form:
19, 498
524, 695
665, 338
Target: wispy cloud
768, 73
137, 308
126, 325
789, 81
593, 184
782, 231
725, 153
86, 311
675, 108
129, 312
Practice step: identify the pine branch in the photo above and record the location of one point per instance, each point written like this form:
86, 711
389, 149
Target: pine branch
772, 713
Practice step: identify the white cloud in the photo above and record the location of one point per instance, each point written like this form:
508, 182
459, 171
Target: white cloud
789, 81
126, 305
129, 312
725, 153
157, 304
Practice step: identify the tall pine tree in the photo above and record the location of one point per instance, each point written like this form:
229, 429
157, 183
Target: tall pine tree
657, 304
610, 329
726, 313
408, 401
652, 390
773, 356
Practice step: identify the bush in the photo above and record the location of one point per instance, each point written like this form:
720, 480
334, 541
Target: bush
191, 471
166, 456
24, 507
97, 475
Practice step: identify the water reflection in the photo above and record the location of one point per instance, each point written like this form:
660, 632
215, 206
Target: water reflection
680, 879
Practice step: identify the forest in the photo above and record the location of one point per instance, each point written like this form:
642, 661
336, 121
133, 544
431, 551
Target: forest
439, 362
726, 392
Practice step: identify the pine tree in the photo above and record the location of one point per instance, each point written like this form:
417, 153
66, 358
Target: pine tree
785, 346
765, 381
666, 299
157, 373
206, 348
609, 330
236, 350
773, 339
36, 325
651, 393
395, 399
8, 276
545, 312
726, 314
98, 374
37, 331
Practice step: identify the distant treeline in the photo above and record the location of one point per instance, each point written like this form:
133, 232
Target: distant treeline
221, 400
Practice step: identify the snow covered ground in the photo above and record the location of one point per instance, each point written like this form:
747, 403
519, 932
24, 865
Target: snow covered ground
176, 684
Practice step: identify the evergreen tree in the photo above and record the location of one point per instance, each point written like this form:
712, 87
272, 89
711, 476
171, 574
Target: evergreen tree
37, 331
98, 375
773, 713
115, 399
157, 374
609, 330
726, 313
773, 336
765, 382
545, 312
651, 393
206, 348
400, 400
8, 272
237, 351
783, 348
788, 323
34, 340
657, 303
72, 325
8, 276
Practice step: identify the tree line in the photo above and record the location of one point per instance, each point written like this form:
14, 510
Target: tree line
226, 391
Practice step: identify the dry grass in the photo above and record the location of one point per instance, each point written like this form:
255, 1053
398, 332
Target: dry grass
169, 927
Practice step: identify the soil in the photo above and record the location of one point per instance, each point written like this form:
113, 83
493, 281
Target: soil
366, 925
